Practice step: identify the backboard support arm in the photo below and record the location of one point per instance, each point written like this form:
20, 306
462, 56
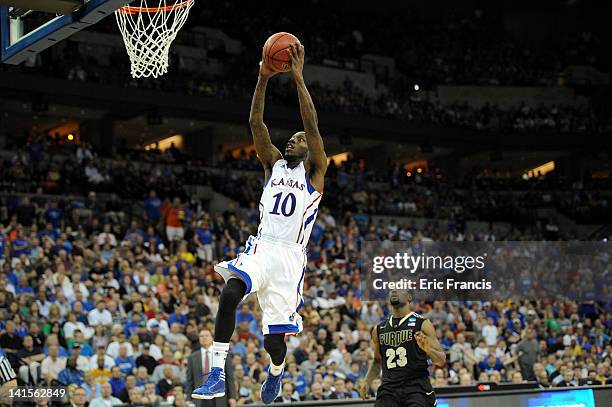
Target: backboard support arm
18, 46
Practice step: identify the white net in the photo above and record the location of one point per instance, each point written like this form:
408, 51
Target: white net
148, 31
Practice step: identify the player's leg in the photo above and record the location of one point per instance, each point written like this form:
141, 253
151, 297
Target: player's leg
280, 300
419, 393
243, 276
225, 323
276, 347
421, 399
386, 400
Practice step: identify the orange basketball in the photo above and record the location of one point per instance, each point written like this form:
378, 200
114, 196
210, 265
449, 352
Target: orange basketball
276, 49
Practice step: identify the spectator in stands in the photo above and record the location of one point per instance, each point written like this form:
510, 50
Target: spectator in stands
52, 365
26, 212
100, 373
31, 356
82, 361
490, 364
167, 361
489, 332
528, 350
495, 377
125, 363
78, 398
174, 216
101, 352
54, 215
130, 384
204, 240
339, 392
482, 351
462, 351
83, 152
100, 315
153, 207
142, 377
70, 374
316, 392
117, 381
145, 359
286, 394
10, 342
106, 398
166, 383
517, 378
135, 397
150, 395
568, 379
41, 401
114, 348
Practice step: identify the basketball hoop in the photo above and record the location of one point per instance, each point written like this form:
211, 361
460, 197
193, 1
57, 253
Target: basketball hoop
148, 33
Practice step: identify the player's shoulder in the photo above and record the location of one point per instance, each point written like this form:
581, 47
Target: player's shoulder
383, 322
415, 317
413, 320
274, 166
280, 161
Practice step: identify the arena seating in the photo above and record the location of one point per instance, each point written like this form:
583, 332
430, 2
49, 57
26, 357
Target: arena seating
65, 251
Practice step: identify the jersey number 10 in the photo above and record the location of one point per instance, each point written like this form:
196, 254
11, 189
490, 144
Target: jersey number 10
287, 207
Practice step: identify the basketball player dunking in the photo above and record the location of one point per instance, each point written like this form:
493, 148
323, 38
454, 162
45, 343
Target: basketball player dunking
273, 262
403, 343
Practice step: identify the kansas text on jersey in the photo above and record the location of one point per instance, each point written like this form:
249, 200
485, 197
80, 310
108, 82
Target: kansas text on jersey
288, 205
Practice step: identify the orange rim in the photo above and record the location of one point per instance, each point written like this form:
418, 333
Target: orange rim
136, 10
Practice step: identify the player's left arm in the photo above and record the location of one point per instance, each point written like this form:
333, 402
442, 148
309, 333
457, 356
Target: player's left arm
363, 386
317, 159
427, 340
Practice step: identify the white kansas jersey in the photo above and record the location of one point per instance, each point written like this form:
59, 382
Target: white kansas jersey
288, 205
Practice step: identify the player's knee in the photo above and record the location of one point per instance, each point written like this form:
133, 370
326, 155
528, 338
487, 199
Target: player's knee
232, 294
276, 347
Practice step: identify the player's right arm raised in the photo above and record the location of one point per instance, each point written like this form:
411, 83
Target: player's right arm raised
266, 151
317, 157
375, 367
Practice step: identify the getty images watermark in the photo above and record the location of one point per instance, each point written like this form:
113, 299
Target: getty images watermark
408, 263
487, 271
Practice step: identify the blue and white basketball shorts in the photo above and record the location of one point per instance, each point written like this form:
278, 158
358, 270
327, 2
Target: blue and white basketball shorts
274, 269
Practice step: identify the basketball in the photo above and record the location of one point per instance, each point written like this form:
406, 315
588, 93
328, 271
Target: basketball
276, 54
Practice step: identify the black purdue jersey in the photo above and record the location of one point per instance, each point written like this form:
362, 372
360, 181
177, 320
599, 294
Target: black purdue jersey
402, 358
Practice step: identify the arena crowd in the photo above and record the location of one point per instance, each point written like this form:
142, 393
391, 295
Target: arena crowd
112, 295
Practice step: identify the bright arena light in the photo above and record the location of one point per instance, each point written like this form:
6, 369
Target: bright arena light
416, 87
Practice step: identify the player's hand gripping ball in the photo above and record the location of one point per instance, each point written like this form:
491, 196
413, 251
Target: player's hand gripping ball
276, 51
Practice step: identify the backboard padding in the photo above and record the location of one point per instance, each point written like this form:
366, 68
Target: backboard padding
17, 47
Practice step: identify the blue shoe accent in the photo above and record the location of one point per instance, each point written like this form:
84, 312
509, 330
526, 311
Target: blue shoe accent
271, 388
214, 386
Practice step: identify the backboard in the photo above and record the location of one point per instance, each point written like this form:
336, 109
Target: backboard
28, 27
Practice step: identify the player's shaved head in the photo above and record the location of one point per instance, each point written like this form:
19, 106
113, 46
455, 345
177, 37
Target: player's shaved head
297, 148
399, 298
